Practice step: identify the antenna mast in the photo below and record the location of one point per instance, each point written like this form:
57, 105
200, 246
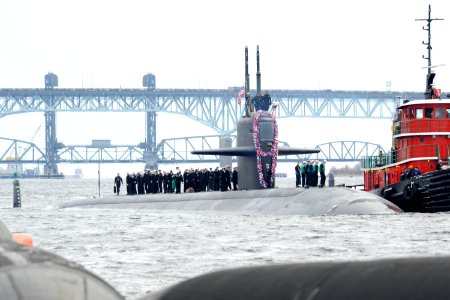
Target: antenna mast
247, 85
428, 28
247, 79
258, 73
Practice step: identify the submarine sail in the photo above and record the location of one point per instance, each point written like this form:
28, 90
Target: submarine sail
257, 138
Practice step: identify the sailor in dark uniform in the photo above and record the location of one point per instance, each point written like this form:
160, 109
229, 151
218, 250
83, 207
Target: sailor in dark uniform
315, 173
118, 182
210, 180
169, 181
297, 175
217, 175
165, 182
228, 177
235, 179
223, 180
147, 181
140, 184
128, 183
133, 184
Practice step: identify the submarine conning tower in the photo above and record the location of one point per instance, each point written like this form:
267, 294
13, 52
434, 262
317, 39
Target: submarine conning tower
249, 178
257, 138
257, 128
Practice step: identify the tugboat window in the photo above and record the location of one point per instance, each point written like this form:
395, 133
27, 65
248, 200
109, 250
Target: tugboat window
448, 113
439, 113
411, 113
428, 113
419, 113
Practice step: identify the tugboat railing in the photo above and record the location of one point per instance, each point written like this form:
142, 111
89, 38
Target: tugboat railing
421, 125
392, 157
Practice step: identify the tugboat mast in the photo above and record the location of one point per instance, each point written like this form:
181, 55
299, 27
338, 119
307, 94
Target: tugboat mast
428, 28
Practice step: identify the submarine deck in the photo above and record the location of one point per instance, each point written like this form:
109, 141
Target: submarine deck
278, 201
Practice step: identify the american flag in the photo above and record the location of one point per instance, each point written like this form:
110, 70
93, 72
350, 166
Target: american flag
241, 93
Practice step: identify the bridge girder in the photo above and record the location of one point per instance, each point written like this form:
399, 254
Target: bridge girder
218, 109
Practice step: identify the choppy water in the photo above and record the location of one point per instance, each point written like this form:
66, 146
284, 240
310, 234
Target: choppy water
139, 251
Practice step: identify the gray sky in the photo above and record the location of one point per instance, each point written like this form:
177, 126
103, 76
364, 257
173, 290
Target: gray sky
323, 44
327, 44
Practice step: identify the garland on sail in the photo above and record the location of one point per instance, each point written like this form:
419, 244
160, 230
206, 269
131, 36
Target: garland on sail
273, 153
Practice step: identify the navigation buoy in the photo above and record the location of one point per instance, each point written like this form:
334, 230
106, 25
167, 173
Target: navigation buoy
17, 201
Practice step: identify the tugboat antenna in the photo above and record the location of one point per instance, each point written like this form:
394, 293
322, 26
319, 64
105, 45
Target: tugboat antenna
428, 28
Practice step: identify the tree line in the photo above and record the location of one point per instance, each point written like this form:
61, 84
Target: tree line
347, 170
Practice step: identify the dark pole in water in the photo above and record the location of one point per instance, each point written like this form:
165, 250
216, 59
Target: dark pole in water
99, 179
16, 192
429, 36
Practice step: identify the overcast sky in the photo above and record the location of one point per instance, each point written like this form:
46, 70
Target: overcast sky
326, 44
322, 44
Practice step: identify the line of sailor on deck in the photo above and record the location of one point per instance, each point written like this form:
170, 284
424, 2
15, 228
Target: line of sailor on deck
194, 180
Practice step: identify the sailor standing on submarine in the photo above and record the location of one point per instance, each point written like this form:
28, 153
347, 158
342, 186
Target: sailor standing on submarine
322, 173
297, 175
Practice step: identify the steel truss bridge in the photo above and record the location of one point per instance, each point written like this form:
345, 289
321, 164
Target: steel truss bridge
218, 109
170, 151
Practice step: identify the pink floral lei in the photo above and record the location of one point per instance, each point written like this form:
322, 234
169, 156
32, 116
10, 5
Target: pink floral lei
273, 153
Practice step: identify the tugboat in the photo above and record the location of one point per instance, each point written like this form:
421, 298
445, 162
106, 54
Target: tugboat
415, 174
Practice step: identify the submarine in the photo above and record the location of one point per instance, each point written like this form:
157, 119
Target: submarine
257, 151
394, 278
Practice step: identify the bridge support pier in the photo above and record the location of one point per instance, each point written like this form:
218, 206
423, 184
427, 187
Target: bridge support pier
150, 155
50, 168
225, 142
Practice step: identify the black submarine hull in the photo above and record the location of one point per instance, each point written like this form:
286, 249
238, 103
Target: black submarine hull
404, 278
278, 201
30, 273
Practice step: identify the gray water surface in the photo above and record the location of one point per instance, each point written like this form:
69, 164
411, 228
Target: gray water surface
140, 251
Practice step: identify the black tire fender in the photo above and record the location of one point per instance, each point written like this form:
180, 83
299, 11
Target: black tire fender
409, 191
